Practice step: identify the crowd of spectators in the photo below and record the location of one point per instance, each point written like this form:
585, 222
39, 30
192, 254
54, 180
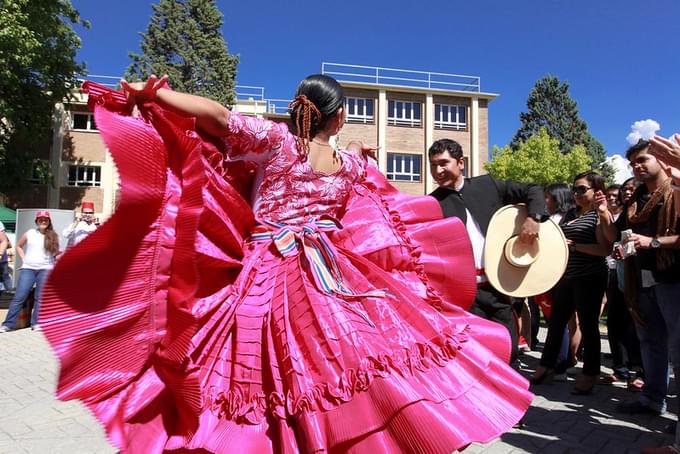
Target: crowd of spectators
624, 264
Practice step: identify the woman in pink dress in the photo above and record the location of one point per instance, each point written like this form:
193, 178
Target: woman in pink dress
267, 292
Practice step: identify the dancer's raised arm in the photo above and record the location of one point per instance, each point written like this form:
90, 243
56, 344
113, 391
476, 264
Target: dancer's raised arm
211, 116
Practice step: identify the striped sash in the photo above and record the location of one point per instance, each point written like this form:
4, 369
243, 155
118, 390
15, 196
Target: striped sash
311, 240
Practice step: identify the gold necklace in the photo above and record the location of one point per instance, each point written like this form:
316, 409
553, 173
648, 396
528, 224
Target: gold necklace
322, 144
335, 150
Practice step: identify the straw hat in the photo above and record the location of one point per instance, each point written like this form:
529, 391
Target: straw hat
520, 270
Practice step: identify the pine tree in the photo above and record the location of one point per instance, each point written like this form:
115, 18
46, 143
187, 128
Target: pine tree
551, 107
184, 41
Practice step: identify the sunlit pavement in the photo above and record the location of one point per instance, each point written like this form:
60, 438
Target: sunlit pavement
33, 421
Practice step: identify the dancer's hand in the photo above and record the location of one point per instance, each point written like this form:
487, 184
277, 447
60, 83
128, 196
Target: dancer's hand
366, 151
141, 92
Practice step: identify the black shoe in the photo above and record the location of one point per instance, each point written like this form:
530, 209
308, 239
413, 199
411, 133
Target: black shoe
545, 378
636, 407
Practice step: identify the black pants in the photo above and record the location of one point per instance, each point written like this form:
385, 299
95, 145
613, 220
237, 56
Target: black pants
535, 321
623, 341
583, 294
493, 305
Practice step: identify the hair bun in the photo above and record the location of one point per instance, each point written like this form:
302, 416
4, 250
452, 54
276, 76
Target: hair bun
304, 114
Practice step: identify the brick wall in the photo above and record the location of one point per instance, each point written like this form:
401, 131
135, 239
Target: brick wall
404, 138
409, 188
82, 146
70, 197
368, 134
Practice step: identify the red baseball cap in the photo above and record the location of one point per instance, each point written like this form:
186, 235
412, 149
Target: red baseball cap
42, 214
87, 205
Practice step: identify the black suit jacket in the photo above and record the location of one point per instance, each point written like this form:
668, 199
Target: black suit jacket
483, 195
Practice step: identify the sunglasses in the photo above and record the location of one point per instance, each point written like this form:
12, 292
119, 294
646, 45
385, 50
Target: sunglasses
42, 220
580, 190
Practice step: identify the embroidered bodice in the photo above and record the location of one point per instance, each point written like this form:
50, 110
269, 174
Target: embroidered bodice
287, 189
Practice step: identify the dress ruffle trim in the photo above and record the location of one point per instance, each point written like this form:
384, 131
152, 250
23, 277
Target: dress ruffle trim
432, 297
233, 405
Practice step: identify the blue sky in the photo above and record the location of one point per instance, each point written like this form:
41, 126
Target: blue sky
621, 58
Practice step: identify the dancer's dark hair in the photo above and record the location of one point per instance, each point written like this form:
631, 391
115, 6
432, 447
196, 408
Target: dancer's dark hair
316, 101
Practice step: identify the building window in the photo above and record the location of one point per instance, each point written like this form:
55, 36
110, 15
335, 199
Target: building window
84, 175
40, 172
449, 116
404, 113
359, 110
404, 167
83, 121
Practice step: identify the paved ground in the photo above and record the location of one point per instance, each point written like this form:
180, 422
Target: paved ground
33, 421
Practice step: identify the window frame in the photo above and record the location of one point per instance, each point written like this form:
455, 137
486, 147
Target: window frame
456, 125
413, 177
357, 118
91, 125
404, 120
82, 182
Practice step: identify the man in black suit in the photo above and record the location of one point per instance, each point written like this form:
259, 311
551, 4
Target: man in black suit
475, 200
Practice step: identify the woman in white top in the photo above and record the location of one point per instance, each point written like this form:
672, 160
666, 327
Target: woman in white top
37, 248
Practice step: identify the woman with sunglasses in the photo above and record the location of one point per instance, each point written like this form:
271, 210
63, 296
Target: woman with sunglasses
38, 249
582, 285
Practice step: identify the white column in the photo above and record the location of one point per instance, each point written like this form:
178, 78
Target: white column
56, 150
109, 186
382, 130
474, 133
429, 138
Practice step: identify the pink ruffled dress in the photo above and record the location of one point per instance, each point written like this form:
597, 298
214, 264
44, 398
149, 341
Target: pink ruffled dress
326, 316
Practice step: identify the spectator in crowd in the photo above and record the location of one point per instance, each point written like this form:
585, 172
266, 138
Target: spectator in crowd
559, 200
474, 201
581, 287
652, 276
623, 341
81, 227
38, 249
5, 244
668, 154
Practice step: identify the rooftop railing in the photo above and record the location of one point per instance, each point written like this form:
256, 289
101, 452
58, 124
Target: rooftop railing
109, 81
249, 93
401, 77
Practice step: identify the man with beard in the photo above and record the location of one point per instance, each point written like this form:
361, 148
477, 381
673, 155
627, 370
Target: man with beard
475, 200
652, 276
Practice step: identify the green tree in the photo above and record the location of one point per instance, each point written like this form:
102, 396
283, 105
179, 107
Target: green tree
538, 160
184, 41
38, 68
551, 107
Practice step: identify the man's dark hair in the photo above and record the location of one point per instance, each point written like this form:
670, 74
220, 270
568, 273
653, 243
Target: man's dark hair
611, 187
641, 145
442, 145
562, 196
